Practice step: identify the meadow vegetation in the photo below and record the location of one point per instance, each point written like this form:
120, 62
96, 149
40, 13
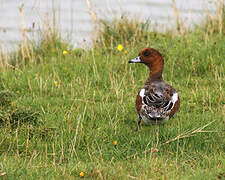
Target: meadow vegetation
69, 113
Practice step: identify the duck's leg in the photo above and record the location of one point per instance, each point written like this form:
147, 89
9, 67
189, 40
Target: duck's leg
138, 122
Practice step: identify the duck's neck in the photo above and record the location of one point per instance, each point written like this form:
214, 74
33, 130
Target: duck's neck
156, 70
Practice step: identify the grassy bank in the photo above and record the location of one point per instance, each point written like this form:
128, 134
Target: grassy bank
64, 111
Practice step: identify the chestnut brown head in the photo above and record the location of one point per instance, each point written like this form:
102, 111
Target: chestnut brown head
147, 56
151, 58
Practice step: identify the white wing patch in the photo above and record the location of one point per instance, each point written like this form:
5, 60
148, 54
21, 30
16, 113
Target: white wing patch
142, 93
174, 98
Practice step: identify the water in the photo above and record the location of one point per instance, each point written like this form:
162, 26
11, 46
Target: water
73, 17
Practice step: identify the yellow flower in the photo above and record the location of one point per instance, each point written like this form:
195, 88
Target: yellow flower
114, 143
81, 174
171, 165
65, 52
125, 52
120, 47
56, 83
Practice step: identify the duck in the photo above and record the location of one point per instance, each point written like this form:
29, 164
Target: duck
157, 101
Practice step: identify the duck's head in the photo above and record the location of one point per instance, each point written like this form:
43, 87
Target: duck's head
147, 56
151, 58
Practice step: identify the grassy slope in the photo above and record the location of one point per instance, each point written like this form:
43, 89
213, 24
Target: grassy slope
59, 129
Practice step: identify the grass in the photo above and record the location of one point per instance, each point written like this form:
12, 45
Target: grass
60, 113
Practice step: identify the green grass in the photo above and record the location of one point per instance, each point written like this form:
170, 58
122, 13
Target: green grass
60, 113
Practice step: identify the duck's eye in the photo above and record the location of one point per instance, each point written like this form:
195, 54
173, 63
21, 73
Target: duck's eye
146, 53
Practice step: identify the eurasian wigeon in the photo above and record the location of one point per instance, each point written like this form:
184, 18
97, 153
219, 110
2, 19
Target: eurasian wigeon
157, 101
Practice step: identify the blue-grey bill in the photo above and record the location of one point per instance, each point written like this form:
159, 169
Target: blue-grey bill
135, 60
